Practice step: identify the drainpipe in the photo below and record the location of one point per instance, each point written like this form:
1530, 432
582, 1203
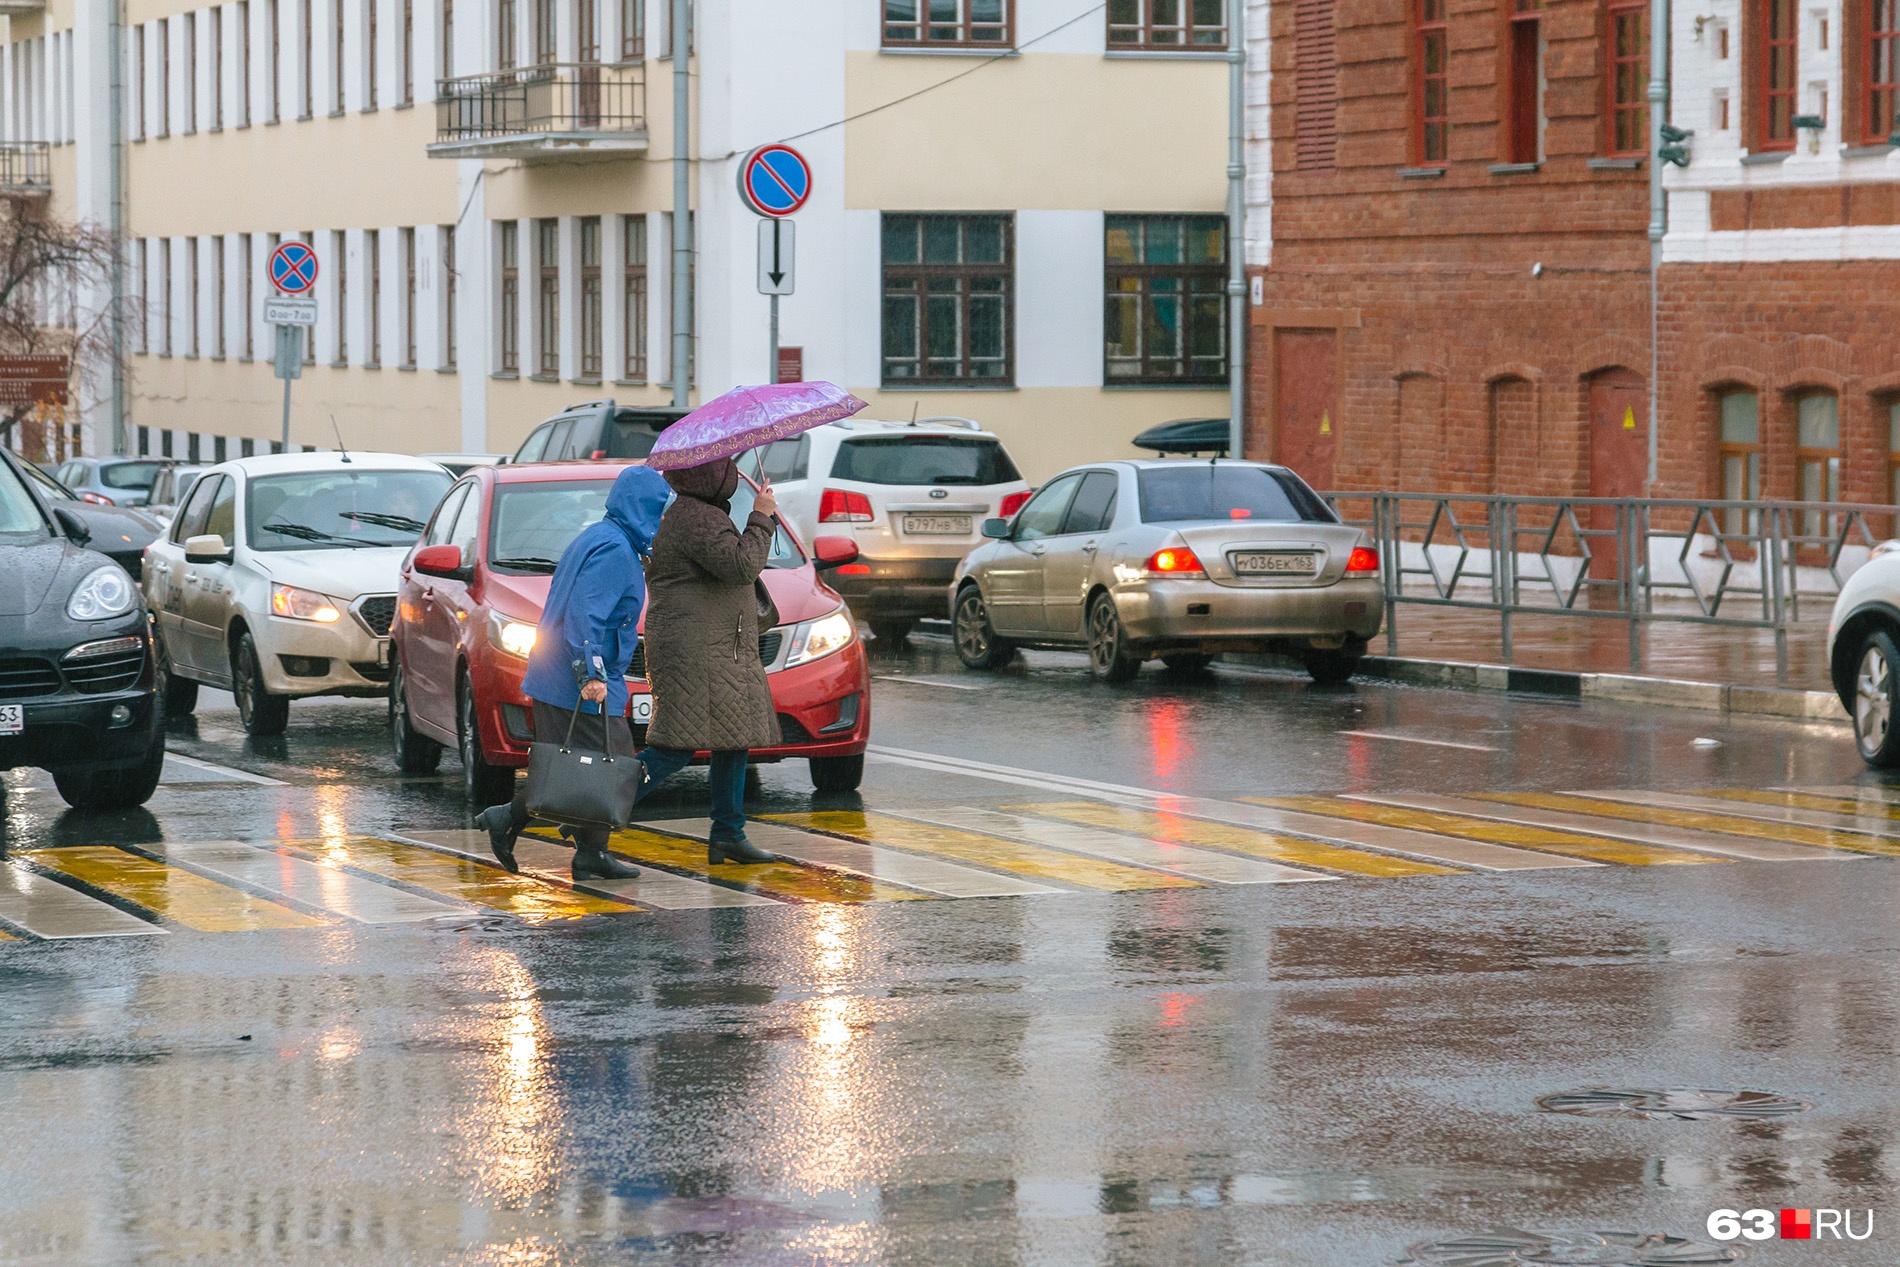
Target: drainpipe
1658, 95
1237, 230
115, 145
682, 355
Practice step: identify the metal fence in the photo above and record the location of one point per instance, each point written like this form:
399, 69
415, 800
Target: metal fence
1751, 565
544, 99
26, 167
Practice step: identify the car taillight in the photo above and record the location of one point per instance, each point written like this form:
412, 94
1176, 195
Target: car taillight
840, 506
1363, 561
1013, 503
1175, 561
96, 499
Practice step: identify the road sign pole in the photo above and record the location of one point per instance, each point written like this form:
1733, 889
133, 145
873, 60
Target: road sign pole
285, 350
772, 358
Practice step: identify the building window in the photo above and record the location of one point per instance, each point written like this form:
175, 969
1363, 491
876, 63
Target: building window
305, 63
948, 23
217, 297
1165, 318
337, 7
408, 244
141, 260
371, 91
547, 259
1430, 100
247, 322
1817, 458
137, 127
1167, 23
448, 39
1626, 78
633, 299
276, 65
406, 56
373, 264
1879, 70
448, 296
342, 298
633, 30
666, 26
543, 32
215, 46
948, 294
162, 287
590, 296
510, 297
505, 34
190, 71
1740, 457
163, 29
191, 296
1523, 84
244, 64
1774, 34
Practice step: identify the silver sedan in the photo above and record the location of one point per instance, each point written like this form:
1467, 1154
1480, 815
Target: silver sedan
1171, 559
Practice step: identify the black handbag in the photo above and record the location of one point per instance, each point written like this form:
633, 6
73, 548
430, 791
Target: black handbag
580, 786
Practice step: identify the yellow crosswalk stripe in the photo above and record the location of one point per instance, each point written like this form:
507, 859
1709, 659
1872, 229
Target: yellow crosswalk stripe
1858, 807
6, 936
1180, 829
1543, 839
171, 893
984, 851
462, 879
1820, 837
773, 879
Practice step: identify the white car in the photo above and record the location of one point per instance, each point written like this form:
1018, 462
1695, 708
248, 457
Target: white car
912, 494
278, 578
1863, 654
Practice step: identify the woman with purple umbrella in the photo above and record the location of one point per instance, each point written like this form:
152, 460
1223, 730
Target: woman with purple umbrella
706, 603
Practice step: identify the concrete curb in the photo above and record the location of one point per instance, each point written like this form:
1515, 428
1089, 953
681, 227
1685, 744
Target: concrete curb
1625, 688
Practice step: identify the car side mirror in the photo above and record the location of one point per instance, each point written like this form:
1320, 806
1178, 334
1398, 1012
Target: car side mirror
209, 548
438, 561
72, 525
833, 552
996, 529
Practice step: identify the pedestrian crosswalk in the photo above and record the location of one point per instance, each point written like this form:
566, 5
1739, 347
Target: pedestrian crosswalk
1098, 839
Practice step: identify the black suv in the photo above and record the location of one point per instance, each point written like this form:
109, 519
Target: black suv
596, 430
77, 694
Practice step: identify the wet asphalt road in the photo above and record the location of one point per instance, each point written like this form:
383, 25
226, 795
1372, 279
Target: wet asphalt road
1290, 1073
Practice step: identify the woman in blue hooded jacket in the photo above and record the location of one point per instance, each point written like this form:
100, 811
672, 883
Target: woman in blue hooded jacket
585, 641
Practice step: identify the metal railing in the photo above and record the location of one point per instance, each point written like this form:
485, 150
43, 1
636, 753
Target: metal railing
26, 167
551, 99
1750, 565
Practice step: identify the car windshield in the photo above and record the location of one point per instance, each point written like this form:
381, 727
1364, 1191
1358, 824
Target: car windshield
130, 474
50, 486
533, 523
630, 438
784, 553
341, 509
1202, 490
923, 459
18, 514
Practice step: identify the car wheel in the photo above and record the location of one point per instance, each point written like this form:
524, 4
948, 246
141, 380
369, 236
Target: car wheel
892, 632
180, 693
414, 751
1334, 668
1876, 681
262, 713
837, 774
1111, 659
482, 783
125, 785
1187, 665
977, 643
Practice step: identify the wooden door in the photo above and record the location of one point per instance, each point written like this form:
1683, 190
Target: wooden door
1306, 402
1619, 454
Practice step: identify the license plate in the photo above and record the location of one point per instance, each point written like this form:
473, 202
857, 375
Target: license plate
937, 525
1275, 562
382, 654
642, 709
12, 719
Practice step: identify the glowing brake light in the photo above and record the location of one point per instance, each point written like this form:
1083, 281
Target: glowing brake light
840, 506
1175, 561
1363, 561
96, 499
1013, 503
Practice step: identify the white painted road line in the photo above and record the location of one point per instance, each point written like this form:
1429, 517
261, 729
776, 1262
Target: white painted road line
925, 681
225, 771
315, 884
545, 860
1434, 743
46, 908
1014, 774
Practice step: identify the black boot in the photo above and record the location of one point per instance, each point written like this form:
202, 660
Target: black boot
598, 864
740, 850
499, 820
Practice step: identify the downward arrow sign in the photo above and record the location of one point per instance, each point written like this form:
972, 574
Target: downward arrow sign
777, 275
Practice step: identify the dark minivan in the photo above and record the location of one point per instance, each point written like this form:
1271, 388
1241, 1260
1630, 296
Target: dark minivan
597, 430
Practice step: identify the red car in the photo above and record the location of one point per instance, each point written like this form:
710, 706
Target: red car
472, 591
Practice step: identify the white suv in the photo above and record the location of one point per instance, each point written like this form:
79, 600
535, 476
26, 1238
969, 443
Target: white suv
914, 495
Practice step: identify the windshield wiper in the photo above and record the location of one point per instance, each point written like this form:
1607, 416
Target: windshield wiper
401, 523
303, 532
529, 563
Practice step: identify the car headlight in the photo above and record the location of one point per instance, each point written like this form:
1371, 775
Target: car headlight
510, 637
299, 604
103, 593
815, 639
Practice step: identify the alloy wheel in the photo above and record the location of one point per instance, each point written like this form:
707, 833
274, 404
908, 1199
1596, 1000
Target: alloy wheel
470, 741
1105, 632
241, 682
1873, 700
973, 627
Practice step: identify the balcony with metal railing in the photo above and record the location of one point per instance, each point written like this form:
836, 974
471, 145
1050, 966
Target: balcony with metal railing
26, 169
550, 110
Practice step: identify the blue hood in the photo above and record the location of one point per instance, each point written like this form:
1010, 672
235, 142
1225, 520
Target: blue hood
635, 504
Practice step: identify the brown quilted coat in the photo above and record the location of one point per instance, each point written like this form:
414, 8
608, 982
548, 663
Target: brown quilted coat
702, 630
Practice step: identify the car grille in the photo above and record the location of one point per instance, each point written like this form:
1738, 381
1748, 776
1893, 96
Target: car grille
769, 643
23, 677
377, 612
95, 675
790, 731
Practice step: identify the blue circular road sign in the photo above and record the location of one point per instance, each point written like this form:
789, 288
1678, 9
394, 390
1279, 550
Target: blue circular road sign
775, 180
293, 268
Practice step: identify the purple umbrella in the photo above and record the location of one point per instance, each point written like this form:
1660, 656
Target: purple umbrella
747, 417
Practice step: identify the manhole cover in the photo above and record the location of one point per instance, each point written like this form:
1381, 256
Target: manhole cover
1683, 1104
1512, 1247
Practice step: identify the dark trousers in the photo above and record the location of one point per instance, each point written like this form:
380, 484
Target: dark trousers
728, 784
591, 730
